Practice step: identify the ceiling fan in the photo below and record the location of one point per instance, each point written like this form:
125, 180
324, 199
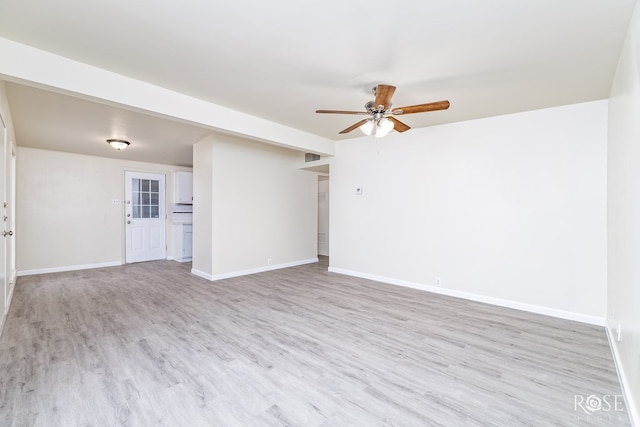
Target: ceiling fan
381, 120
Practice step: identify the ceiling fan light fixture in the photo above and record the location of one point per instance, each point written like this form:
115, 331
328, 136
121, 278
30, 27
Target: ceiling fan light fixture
368, 127
118, 144
379, 110
383, 127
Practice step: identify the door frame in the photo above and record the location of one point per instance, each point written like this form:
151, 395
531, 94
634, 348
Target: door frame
127, 209
8, 192
322, 180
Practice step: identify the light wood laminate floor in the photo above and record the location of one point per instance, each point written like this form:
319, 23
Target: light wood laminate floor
150, 344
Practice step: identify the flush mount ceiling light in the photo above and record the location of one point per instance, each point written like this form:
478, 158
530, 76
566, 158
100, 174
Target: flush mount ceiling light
118, 144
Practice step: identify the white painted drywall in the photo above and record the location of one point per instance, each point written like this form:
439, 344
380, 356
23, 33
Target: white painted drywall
264, 209
201, 261
26, 64
624, 215
66, 218
509, 208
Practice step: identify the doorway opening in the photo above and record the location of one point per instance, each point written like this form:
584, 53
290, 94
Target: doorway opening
323, 215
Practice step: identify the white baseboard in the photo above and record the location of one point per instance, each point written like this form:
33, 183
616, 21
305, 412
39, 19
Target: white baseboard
253, 270
68, 268
262, 269
632, 409
579, 317
201, 274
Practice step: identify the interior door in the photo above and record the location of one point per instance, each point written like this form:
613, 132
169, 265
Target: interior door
7, 199
8, 219
145, 218
10, 214
4, 282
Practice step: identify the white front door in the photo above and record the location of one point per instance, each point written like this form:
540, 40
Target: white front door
145, 220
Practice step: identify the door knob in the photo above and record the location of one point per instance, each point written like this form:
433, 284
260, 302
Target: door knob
128, 222
128, 215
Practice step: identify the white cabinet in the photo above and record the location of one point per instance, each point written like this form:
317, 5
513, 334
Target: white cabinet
183, 187
182, 242
187, 241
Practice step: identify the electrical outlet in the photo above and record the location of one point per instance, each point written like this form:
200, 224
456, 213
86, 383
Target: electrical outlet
619, 332
438, 281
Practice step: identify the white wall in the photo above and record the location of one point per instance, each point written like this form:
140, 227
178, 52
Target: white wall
264, 209
624, 215
65, 216
508, 210
24, 63
202, 262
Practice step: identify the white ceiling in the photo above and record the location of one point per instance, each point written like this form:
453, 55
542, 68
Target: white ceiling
283, 59
51, 121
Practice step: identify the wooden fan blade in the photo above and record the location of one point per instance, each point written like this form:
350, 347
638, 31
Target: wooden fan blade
383, 96
352, 127
398, 125
422, 108
340, 112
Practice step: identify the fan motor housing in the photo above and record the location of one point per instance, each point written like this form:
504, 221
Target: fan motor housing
371, 107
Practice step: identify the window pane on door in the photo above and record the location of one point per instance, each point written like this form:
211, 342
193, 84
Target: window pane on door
145, 198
